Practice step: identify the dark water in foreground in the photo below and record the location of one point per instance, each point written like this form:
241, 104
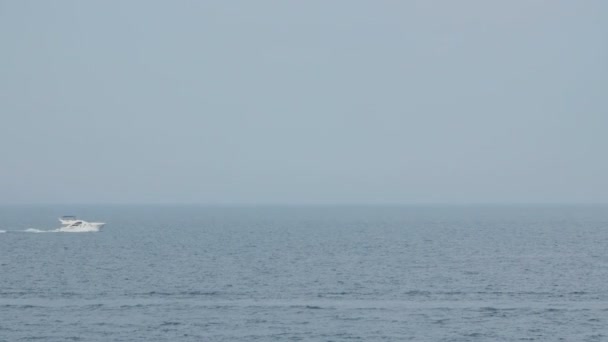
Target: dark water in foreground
312, 274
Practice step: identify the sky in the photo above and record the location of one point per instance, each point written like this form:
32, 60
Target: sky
304, 102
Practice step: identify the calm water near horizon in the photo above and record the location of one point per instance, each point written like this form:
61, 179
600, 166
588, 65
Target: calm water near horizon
344, 273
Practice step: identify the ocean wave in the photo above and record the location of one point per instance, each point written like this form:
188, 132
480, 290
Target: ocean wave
180, 293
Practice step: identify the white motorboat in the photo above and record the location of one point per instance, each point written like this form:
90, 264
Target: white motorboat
72, 224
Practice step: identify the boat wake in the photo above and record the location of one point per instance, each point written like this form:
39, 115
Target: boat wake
69, 224
58, 230
34, 230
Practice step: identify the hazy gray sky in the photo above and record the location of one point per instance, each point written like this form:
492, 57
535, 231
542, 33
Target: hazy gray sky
303, 101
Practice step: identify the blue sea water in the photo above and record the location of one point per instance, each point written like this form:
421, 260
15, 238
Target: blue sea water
195, 273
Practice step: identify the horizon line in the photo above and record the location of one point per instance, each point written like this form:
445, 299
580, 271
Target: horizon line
308, 204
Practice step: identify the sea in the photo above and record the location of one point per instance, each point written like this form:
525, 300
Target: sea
305, 273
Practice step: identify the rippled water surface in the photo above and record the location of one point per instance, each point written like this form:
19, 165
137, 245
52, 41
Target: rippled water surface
162, 273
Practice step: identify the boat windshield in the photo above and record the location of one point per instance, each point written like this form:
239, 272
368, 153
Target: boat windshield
69, 217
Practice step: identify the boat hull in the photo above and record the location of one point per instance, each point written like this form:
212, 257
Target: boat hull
85, 227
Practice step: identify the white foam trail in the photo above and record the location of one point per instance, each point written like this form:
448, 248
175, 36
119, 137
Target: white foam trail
34, 230
58, 230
